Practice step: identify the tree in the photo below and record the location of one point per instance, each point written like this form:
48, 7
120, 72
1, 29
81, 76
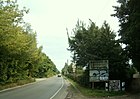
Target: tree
46, 67
12, 41
128, 14
20, 58
94, 43
65, 69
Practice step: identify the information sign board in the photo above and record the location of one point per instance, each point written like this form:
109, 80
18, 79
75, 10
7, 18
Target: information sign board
99, 70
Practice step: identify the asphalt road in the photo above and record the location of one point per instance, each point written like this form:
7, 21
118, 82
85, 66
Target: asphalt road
51, 88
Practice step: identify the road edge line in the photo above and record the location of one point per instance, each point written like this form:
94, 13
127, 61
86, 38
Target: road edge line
58, 89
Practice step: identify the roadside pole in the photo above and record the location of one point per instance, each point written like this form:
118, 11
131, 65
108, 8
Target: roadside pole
74, 70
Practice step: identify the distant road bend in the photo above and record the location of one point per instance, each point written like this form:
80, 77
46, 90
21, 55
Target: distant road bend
51, 88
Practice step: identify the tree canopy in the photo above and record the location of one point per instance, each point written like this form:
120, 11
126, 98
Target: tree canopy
128, 14
20, 58
93, 43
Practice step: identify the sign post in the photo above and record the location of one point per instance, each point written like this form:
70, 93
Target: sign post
74, 70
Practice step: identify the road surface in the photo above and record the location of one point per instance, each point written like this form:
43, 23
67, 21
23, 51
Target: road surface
51, 88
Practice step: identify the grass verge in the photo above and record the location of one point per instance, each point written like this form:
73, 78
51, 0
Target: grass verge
95, 92
20, 82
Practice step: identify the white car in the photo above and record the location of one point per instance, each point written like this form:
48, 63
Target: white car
59, 75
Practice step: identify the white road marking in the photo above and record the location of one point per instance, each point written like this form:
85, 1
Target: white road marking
58, 89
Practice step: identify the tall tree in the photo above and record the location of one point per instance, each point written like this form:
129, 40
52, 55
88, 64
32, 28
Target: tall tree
20, 58
12, 40
128, 14
94, 43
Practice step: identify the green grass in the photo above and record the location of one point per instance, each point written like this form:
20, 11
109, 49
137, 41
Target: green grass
98, 93
95, 92
21, 82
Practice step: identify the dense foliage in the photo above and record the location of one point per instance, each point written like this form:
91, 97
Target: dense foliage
128, 13
94, 43
20, 58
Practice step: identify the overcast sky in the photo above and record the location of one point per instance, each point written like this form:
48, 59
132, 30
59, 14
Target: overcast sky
50, 18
